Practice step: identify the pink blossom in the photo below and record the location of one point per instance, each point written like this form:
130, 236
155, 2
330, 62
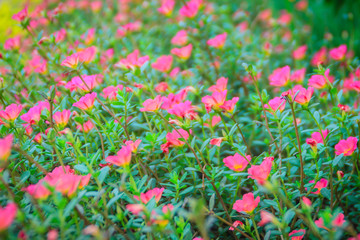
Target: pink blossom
298, 75
220, 85
319, 185
180, 38
111, 92
275, 104
173, 137
280, 76
86, 127
317, 136
7, 216
338, 54
152, 105
235, 225
153, 193
261, 172
60, 35
135, 209
5, 147
167, 7
214, 101
11, 112
86, 102
237, 162
163, 63
229, 105
133, 145
218, 41
184, 52
319, 81
133, 60
190, 9
319, 57
215, 120
339, 220
300, 52
297, 237
12, 43
122, 158
162, 87
346, 147
38, 190
183, 110
247, 204
20, 16
306, 201
216, 141
62, 118
266, 218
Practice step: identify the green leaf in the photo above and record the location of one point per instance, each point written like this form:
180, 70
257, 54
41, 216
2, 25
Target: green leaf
289, 215
326, 193
212, 202
337, 160
81, 168
103, 173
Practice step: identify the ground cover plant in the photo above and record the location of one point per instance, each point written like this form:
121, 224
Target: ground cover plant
173, 119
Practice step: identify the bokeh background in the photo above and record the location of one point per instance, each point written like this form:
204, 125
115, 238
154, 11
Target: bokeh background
340, 18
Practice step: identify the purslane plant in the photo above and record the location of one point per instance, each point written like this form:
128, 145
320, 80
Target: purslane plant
176, 120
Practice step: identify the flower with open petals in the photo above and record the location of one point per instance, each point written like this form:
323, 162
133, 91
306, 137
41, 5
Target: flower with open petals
167, 7
266, 218
300, 52
5, 147
280, 76
247, 204
86, 102
11, 112
218, 41
163, 63
298, 75
20, 16
319, 185
7, 216
214, 101
62, 118
180, 38
319, 81
261, 172
152, 105
122, 158
190, 9
153, 193
184, 52
221, 85
277, 103
338, 54
237, 162
133, 60
346, 147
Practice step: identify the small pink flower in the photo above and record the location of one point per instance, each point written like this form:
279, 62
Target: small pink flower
235, 225
11, 112
306, 201
338, 54
60, 35
299, 53
297, 237
344, 108
247, 204
184, 52
152, 105
168, 208
280, 76
340, 174
214, 101
146, 197
312, 142
162, 87
183, 110
38, 190
317, 136
86, 83
320, 223
135, 209
20, 16
33, 116
218, 41
180, 38
62, 118
71, 61
216, 141
304, 95
229, 105
237, 162
319, 185
133, 145
5, 147
12, 43
86, 127
221, 85
261, 172
173, 137
167, 7
298, 75
319, 57
215, 120
346, 147
319, 81
339, 220
122, 158
7, 216
276, 103
52, 235
111, 92
133, 60
266, 218
190, 9
163, 63
86, 102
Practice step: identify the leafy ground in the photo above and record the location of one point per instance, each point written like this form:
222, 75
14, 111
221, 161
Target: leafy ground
179, 120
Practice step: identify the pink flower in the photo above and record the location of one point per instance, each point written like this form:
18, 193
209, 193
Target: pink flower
340, 174
173, 137
60, 35
339, 220
319, 57
152, 105
220, 85
184, 52
346, 147
319, 185
180, 38
218, 41
133, 60
33, 116
230, 104
167, 7
215, 120
111, 92
297, 237
146, 197
276, 103
190, 9
38, 190
71, 61
20, 16
62, 118
5, 147
319, 81
183, 110
306, 201
235, 225
86, 127
161, 87
216, 141
338, 53
261, 172
214, 101
86, 84
11, 112
12, 43
298, 75
237, 162
320, 223
280, 76
7, 216
300, 52
317, 136
266, 218
133, 145
247, 204
122, 158
86, 102
163, 63
135, 209
344, 108
304, 95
